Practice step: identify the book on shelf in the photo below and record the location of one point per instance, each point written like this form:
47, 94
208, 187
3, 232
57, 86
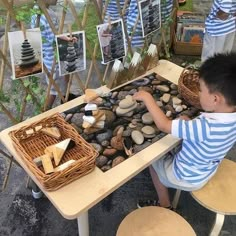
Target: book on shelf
190, 27
192, 34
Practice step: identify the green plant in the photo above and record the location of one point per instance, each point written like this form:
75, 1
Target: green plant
25, 12
90, 27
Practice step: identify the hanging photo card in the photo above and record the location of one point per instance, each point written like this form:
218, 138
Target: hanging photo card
71, 52
150, 15
26, 53
112, 40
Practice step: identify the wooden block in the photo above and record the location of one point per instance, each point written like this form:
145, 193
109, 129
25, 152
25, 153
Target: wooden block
59, 150
52, 131
100, 116
64, 165
47, 164
86, 125
100, 124
90, 95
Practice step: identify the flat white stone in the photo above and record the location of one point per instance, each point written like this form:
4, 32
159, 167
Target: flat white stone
121, 111
147, 118
176, 101
137, 137
179, 108
166, 97
126, 103
163, 88
148, 130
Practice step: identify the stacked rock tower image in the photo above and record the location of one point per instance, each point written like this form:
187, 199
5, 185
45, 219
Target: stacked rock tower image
150, 17
71, 58
117, 43
28, 58
154, 21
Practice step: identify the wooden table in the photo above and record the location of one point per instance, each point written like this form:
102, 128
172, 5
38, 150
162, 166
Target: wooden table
74, 200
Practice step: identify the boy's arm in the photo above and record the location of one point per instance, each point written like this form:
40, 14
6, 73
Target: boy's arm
68, 39
224, 11
160, 119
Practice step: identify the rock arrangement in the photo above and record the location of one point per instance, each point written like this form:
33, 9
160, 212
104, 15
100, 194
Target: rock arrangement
117, 43
128, 126
28, 58
150, 17
71, 58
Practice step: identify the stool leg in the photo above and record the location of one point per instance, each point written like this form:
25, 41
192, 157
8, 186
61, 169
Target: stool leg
83, 224
219, 221
176, 198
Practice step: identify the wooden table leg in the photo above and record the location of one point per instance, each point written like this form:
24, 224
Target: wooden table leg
83, 224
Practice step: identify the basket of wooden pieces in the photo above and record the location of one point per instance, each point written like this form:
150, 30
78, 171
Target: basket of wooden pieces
188, 86
54, 151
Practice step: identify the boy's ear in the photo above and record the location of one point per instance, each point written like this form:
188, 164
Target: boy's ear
219, 99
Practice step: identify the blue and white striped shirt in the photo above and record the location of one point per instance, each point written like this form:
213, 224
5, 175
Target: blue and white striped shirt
113, 11
166, 9
48, 37
137, 36
217, 27
206, 140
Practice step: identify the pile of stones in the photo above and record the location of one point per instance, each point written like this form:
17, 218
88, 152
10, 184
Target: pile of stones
117, 42
28, 58
129, 121
71, 58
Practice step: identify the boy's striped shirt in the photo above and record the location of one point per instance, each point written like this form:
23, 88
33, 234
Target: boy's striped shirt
206, 140
48, 37
214, 25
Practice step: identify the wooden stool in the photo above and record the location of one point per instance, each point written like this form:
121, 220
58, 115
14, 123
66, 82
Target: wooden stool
154, 221
218, 195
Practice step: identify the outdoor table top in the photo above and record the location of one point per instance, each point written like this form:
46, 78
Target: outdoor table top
79, 196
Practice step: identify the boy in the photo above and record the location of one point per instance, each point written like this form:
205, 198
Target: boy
220, 29
206, 139
48, 47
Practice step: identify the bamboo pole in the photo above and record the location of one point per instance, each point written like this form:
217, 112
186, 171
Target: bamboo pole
81, 85
8, 113
5, 59
5, 47
43, 7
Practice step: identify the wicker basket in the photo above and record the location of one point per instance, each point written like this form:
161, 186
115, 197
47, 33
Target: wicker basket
188, 86
30, 142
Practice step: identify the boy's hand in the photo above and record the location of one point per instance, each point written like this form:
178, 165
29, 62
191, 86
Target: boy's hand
142, 96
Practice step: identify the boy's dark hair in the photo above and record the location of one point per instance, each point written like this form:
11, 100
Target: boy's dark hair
219, 75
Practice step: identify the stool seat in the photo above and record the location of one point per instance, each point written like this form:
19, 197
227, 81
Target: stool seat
219, 194
154, 221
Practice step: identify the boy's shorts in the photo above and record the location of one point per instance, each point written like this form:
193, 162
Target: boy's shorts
59, 80
163, 168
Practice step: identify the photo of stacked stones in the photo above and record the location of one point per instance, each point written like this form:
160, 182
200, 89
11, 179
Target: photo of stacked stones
71, 58
150, 16
26, 53
127, 127
28, 58
117, 41
71, 54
